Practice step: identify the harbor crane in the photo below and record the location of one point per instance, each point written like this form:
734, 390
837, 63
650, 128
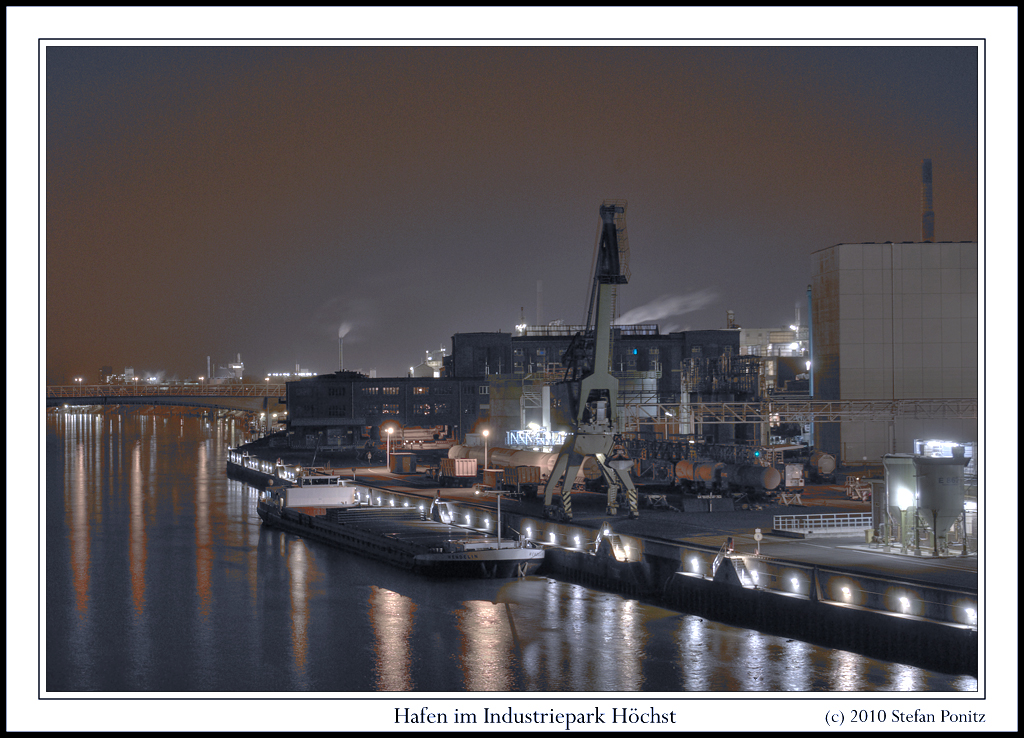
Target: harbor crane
593, 390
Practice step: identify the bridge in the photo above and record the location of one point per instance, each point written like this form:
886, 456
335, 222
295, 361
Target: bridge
254, 398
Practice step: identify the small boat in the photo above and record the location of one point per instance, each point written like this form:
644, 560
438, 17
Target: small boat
325, 507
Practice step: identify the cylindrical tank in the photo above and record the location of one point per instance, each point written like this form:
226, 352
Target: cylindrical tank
940, 490
823, 462
900, 482
759, 477
697, 471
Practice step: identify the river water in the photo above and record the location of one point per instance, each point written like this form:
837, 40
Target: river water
159, 578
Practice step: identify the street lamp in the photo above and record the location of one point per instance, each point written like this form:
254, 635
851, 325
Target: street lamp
390, 431
495, 493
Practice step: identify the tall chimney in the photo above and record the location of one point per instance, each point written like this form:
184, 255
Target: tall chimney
540, 301
927, 214
341, 353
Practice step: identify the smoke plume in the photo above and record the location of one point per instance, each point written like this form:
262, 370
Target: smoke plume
667, 306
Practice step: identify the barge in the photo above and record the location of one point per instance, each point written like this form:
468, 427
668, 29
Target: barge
324, 507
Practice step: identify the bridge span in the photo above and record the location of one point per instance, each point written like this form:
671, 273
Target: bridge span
255, 398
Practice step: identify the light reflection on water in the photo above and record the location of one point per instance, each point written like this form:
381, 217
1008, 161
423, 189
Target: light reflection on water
160, 577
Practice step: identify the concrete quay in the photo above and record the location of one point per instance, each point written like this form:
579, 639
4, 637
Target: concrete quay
837, 592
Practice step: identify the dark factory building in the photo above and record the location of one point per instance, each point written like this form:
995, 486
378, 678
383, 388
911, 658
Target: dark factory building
346, 409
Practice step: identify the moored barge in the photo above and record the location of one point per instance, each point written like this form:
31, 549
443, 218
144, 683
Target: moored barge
326, 508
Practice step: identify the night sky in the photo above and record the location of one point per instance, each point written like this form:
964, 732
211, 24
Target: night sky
216, 201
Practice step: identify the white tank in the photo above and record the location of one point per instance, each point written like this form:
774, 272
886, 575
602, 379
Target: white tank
823, 462
940, 492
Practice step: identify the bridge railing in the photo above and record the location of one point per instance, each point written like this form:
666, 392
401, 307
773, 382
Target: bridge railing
264, 389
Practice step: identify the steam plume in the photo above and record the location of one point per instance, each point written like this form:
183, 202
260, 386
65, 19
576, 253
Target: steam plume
667, 306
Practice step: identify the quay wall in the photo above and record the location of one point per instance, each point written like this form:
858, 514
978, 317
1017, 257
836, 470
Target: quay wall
893, 620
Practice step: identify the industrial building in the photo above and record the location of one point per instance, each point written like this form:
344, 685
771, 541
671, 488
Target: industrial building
499, 379
895, 322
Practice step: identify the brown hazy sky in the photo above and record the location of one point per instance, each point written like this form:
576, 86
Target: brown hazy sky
214, 201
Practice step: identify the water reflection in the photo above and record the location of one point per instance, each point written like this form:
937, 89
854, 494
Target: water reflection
161, 577
391, 617
298, 575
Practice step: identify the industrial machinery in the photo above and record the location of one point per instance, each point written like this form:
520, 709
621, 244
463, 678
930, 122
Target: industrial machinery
593, 390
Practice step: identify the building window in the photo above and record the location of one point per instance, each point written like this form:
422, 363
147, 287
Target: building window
420, 390
421, 408
391, 390
485, 389
389, 409
371, 390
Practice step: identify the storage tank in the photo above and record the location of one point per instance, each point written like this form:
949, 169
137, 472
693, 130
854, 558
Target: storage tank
758, 477
698, 471
823, 462
900, 482
940, 494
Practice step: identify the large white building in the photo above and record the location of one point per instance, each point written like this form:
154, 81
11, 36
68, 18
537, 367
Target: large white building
894, 321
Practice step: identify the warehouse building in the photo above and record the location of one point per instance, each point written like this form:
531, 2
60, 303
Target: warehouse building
896, 322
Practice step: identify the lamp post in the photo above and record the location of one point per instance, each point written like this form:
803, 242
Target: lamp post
497, 494
390, 431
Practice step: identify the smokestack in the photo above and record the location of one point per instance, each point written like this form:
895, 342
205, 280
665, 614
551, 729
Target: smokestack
341, 353
927, 214
208, 375
540, 301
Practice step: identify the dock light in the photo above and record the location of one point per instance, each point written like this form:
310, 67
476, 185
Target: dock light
972, 615
392, 503
846, 592
552, 537
577, 540
695, 564
467, 520
796, 583
906, 604
753, 575
406, 503
529, 532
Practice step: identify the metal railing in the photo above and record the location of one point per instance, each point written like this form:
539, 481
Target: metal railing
826, 522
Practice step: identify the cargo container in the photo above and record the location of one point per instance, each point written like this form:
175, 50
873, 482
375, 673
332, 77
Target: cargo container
321, 496
403, 463
457, 472
492, 478
523, 480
